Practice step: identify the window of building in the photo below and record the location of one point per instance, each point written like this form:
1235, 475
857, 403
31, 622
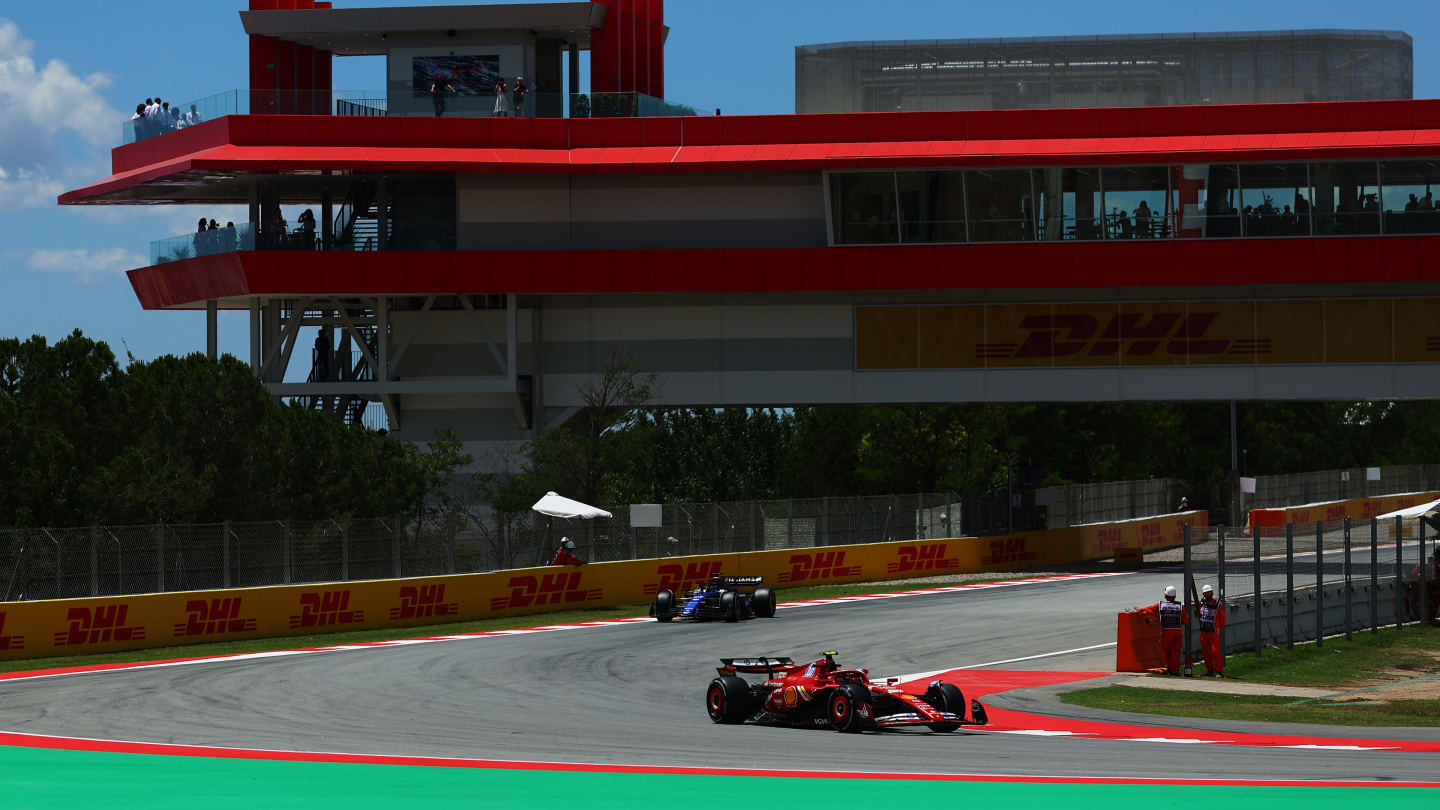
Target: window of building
1206, 195
932, 206
1137, 202
1408, 193
1000, 205
863, 208
1275, 199
1070, 205
1347, 198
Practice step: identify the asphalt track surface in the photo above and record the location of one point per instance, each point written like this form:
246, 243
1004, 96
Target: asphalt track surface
632, 694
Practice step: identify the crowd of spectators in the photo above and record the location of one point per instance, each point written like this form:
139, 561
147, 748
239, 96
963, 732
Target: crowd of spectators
155, 116
210, 238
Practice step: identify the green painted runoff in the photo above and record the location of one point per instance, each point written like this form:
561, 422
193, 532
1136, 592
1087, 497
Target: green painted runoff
33, 778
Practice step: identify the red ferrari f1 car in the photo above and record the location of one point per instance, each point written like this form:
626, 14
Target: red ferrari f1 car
822, 694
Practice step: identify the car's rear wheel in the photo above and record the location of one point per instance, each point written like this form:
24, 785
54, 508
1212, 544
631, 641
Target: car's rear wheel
849, 708
730, 606
664, 606
728, 700
946, 697
764, 603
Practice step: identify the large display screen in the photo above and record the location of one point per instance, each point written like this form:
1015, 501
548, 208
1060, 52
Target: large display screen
469, 75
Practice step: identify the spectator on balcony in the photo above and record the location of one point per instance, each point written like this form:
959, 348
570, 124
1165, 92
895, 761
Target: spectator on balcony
307, 228
437, 94
1142, 220
517, 96
137, 122
502, 100
203, 239
191, 118
230, 238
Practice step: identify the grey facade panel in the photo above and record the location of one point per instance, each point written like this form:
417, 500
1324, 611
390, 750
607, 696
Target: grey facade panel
1242, 67
667, 356
670, 235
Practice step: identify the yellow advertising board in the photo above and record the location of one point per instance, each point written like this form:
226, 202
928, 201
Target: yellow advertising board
1353, 508
1175, 333
80, 626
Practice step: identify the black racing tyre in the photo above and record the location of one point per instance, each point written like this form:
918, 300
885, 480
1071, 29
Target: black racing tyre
727, 700
730, 606
849, 708
946, 697
664, 606
764, 603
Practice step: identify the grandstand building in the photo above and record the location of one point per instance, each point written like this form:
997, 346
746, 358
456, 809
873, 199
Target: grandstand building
471, 271
1141, 70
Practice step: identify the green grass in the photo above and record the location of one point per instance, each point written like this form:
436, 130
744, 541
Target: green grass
455, 628
1392, 655
1263, 708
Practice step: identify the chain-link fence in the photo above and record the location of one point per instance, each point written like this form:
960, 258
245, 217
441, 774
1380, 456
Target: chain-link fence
1303, 582
113, 560
1338, 485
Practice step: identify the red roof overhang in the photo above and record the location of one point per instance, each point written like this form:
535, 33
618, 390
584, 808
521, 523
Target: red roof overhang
1367, 260
237, 145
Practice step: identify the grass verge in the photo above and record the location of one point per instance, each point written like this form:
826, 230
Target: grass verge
1264, 708
455, 628
1366, 660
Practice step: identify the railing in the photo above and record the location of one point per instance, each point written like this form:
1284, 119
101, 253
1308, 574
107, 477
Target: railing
166, 118
423, 234
203, 243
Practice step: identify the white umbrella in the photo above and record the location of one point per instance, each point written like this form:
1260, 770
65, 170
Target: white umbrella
1413, 511
562, 507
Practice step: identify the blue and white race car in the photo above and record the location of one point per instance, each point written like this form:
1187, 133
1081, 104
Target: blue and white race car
720, 598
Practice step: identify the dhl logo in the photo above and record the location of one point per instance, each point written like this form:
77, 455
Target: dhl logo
1335, 511
208, 618
10, 642
680, 578
546, 589
1151, 534
1302, 516
1126, 335
1107, 539
423, 602
922, 558
820, 565
98, 625
1009, 550
1371, 507
326, 608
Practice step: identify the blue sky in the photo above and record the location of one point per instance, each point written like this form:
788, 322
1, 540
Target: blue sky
69, 70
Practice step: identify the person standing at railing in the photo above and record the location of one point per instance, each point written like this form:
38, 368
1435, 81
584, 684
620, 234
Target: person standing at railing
502, 100
437, 94
517, 96
307, 228
1212, 622
1142, 220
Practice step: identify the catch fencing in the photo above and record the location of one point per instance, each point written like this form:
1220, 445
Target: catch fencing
1302, 582
115, 560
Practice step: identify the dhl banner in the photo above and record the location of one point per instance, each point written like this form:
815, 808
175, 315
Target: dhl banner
1354, 508
1400, 330
80, 626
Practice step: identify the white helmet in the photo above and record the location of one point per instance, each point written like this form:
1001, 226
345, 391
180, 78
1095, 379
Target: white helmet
1169, 591
567, 542
1207, 589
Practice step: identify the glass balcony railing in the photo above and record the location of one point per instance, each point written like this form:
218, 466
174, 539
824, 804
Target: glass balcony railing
159, 120
362, 235
203, 243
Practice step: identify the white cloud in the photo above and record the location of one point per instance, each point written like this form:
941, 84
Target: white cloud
86, 265
40, 106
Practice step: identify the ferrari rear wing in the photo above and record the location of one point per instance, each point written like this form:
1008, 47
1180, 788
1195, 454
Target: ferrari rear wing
765, 664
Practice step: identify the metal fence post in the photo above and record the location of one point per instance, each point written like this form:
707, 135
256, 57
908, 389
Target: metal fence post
1374, 575
395, 547
715, 521
1349, 614
824, 521
345, 551
1319, 584
1290, 586
285, 525
1259, 598
160, 556
790, 523
225, 553
1399, 573
94, 561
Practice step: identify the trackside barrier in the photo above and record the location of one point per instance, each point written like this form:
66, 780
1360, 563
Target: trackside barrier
43, 628
1275, 519
1137, 642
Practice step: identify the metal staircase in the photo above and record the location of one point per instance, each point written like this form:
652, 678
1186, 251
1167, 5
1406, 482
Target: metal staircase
357, 223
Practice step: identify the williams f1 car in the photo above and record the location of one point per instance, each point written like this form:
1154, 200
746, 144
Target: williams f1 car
822, 694
720, 598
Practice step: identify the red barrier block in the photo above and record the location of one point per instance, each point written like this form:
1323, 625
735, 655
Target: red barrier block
1137, 643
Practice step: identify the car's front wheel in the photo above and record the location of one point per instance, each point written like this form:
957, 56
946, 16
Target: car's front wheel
727, 700
664, 606
850, 709
730, 606
946, 697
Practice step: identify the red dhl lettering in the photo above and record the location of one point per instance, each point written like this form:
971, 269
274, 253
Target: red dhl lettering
1151, 534
820, 565
546, 589
208, 618
680, 578
326, 608
930, 556
423, 602
1335, 511
1301, 516
1008, 550
1131, 334
11, 642
1370, 508
97, 626
1107, 539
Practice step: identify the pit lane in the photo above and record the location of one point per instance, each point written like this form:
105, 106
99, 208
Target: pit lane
632, 694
